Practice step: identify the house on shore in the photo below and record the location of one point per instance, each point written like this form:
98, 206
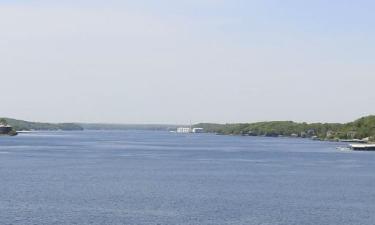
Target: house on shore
5, 129
198, 130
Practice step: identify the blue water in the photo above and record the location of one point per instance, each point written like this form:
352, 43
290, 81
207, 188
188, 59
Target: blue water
137, 177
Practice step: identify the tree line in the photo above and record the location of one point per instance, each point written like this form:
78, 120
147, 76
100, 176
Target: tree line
358, 129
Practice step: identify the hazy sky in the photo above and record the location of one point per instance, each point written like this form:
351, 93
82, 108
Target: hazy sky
171, 61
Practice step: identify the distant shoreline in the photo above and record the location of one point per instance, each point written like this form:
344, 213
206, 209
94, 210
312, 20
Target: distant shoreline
358, 131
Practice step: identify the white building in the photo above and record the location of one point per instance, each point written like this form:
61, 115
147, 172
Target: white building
198, 130
184, 130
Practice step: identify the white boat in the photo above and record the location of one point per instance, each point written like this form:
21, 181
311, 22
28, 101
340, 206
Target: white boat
362, 147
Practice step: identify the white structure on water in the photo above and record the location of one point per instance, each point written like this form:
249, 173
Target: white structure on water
184, 130
189, 130
198, 130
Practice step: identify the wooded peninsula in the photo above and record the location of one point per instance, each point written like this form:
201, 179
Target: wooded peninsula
361, 129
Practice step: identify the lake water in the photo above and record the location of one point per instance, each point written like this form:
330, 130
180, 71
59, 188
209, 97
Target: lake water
138, 177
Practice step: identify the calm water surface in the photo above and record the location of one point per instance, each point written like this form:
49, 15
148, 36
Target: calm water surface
137, 177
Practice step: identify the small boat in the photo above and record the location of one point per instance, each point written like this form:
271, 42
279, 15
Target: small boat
363, 147
343, 148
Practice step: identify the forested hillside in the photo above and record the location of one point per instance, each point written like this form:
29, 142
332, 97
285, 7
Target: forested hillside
26, 125
359, 129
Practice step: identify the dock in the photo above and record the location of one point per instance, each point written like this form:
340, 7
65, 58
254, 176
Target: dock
362, 147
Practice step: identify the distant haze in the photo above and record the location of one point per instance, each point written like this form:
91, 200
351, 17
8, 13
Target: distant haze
180, 61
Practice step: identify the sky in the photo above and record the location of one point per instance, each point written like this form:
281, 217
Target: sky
187, 61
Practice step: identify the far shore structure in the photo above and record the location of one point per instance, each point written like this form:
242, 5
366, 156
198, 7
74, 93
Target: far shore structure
189, 130
363, 147
6, 129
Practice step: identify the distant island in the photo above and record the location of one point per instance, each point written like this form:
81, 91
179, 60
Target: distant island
108, 126
361, 130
